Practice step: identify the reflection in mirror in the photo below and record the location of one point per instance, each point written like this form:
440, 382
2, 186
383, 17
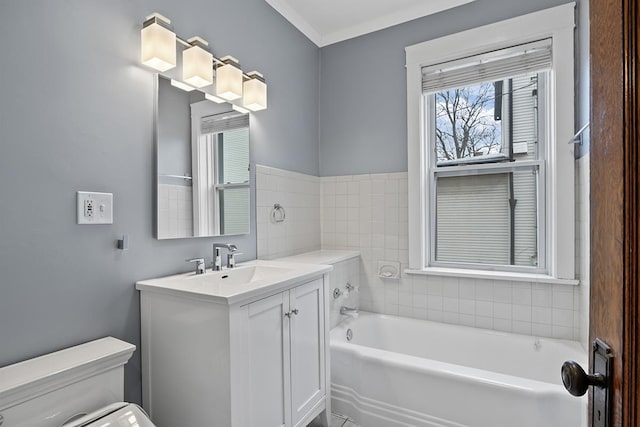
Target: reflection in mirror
202, 165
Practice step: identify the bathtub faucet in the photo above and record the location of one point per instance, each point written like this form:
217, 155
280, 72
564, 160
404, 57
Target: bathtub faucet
349, 311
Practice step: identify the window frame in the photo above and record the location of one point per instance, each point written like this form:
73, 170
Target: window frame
558, 24
469, 169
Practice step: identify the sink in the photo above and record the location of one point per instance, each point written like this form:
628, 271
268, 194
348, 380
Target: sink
240, 275
245, 282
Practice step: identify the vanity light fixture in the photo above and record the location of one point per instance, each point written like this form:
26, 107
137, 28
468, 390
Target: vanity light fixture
214, 98
255, 92
158, 43
159, 46
229, 79
185, 87
197, 63
239, 109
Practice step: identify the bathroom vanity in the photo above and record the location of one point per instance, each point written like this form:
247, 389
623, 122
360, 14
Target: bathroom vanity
240, 347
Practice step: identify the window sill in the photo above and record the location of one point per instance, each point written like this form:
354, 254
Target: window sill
493, 275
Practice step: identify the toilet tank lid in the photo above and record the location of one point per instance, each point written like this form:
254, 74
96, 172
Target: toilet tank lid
35, 377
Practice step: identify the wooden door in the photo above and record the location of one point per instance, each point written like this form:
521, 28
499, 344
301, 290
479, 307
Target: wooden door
268, 362
307, 348
615, 196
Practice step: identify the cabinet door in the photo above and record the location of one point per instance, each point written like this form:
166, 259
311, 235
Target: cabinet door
307, 348
269, 393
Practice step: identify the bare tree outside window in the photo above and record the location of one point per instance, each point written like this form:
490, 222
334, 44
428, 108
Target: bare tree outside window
465, 123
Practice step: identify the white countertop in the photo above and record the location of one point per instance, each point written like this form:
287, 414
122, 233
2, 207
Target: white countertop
323, 256
227, 292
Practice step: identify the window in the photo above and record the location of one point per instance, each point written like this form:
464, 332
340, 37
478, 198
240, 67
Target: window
221, 169
490, 170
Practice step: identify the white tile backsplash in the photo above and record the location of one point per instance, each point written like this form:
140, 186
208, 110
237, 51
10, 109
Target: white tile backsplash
379, 231
369, 213
299, 195
175, 211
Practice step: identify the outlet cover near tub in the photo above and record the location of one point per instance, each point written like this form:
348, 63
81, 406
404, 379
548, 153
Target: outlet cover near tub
95, 208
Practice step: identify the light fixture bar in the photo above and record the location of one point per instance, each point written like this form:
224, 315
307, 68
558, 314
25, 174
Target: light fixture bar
159, 52
216, 61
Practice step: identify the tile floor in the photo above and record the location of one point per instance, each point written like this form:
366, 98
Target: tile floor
341, 421
338, 420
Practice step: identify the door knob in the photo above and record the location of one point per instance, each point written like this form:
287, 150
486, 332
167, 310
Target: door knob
577, 381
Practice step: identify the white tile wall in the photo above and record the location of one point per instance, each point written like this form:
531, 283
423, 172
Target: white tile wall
299, 194
582, 245
175, 211
369, 213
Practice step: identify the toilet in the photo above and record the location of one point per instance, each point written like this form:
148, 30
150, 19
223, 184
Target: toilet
81, 386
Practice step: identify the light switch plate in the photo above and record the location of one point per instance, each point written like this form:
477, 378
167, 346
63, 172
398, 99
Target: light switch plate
95, 208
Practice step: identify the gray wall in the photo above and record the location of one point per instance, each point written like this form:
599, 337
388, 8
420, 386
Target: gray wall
363, 110
76, 114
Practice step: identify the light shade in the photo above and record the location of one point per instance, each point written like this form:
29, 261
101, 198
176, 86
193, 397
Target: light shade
158, 44
255, 92
229, 79
197, 64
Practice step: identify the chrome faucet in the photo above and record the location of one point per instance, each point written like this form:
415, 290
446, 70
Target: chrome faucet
349, 311
200, 266
217, 261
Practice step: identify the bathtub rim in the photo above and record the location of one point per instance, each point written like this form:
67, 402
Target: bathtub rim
446, 369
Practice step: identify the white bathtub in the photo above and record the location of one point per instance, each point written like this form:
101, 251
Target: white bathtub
405, 372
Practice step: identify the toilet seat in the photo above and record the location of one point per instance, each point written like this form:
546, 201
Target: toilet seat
119, 414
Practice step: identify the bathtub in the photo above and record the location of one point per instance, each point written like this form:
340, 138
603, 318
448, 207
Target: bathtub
405, 372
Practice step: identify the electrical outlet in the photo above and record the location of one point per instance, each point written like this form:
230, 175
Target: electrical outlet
95, 208
88, 208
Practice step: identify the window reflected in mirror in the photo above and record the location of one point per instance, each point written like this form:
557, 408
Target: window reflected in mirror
203, 178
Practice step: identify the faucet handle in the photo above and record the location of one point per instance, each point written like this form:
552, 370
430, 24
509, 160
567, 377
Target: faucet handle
200, 268
231, 259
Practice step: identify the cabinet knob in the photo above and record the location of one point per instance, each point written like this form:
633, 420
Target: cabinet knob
295, 311
287, 314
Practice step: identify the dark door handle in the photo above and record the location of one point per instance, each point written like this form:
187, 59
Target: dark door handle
577, 381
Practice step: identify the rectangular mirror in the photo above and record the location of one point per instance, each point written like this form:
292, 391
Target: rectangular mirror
202, 165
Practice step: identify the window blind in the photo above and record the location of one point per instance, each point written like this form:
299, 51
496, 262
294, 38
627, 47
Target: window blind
234, 156
489, 66
472, 216
223, 122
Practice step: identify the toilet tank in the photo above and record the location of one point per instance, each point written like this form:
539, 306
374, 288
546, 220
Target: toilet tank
50, 390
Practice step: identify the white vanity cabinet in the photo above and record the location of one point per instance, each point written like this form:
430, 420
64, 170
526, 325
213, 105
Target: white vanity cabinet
284, 345
244, 361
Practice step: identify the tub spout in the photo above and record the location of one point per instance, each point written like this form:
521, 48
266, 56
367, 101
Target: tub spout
349, 311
